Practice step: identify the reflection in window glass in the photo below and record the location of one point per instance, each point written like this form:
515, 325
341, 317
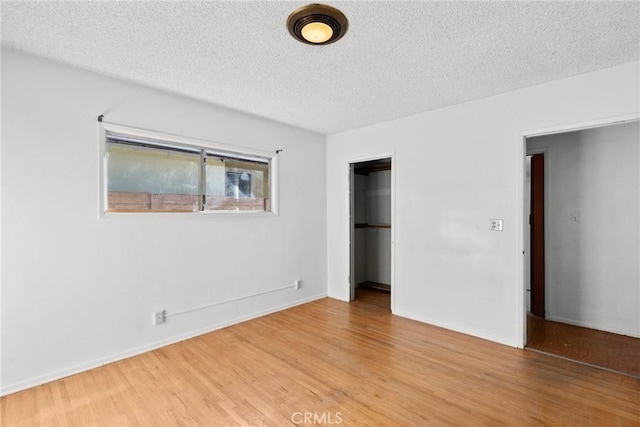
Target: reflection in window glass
237, 184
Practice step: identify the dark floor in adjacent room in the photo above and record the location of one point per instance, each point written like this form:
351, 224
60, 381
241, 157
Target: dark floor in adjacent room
616, 352
370, 295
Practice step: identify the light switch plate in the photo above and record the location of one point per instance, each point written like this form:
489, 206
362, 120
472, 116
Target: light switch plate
495, 224
575, 215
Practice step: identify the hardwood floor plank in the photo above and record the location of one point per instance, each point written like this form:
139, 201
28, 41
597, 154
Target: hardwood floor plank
328, 358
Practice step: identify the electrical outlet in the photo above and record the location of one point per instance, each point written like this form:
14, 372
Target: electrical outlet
298, 284
159, 317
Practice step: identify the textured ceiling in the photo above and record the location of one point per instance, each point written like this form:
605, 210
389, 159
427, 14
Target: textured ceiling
397, 59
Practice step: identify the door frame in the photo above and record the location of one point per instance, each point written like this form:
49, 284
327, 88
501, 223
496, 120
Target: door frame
351, 250
522, 217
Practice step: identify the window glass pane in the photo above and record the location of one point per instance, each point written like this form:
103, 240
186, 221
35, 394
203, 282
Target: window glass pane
152, 179
149, 174
235, 184
215, 173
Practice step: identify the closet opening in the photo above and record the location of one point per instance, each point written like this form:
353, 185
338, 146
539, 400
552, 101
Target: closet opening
371, 231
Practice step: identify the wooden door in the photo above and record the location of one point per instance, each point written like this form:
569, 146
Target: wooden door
537, 236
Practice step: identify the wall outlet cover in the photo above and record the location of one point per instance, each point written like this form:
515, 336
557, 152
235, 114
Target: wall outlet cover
159, 317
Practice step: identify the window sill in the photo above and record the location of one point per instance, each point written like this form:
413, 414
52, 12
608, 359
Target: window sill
183, 214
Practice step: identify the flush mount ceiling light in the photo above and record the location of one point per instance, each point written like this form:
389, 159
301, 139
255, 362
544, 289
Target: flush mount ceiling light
317, 24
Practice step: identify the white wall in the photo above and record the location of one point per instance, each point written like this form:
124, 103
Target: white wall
78, 291
455, 169
593, 263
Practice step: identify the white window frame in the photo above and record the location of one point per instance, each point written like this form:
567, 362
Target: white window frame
177, 140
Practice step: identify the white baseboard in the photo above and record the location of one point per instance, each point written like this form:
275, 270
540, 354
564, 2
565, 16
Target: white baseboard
591, 325
53, 376
467, 331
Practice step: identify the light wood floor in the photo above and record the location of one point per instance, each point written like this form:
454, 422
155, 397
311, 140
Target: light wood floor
349, 362
610, 351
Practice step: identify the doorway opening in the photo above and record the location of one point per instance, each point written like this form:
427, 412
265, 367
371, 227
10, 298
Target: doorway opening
370, 277
582, 245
